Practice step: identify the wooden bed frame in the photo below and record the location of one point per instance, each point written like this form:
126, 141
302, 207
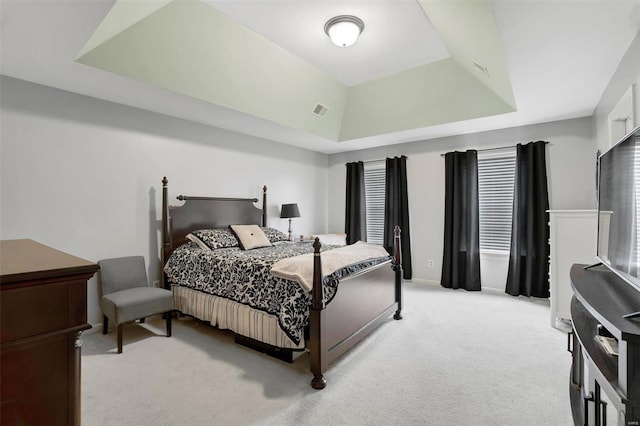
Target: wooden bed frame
363, 301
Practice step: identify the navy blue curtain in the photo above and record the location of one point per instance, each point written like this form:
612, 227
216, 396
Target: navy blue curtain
396, 210
355, 221
529, 257
461, 256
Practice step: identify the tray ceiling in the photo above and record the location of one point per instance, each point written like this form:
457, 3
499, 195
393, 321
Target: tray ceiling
411, 69
195, 49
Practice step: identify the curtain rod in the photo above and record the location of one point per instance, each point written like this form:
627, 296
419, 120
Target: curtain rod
497, 149
383, 159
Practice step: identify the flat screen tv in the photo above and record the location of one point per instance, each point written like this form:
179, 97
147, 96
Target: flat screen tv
619, 208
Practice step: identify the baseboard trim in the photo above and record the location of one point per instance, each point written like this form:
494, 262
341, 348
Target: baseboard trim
98, 326
423, 281
493, 290
94, 328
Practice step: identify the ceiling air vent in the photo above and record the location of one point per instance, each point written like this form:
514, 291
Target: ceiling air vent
320, 110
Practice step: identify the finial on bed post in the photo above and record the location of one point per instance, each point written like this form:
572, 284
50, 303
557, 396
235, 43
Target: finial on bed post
264, 206
397, 267
317, 298
318, 353
397, 261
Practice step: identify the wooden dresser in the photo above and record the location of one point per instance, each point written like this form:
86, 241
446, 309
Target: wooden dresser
43, 311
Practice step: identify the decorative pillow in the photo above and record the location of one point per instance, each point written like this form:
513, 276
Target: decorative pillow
275, 235
215, 238
250, 236
198, 241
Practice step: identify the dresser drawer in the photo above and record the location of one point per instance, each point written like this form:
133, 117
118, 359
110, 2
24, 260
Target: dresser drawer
37, 309
36, 382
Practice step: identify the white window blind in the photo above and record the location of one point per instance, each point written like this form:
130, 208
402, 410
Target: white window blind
374, 186
636, 187
496, 180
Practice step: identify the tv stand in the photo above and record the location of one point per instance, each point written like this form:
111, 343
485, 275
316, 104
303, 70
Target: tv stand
601, 300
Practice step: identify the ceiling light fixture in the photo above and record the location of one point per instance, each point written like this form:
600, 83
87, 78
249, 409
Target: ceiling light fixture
344, 30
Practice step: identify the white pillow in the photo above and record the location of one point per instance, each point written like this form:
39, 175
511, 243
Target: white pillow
250, 236
332, 239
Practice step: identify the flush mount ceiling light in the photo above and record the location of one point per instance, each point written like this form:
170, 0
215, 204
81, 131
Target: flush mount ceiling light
344, 30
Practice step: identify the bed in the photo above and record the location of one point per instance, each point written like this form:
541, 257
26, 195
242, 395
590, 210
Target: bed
325, 313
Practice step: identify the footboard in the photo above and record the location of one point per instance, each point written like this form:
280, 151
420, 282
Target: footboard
363, 302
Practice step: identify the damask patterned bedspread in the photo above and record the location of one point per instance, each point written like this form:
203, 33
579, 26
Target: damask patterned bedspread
244, 276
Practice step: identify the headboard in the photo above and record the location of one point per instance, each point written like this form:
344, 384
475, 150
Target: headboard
205, 213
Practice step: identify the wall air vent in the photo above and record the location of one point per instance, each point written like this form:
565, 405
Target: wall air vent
320, 110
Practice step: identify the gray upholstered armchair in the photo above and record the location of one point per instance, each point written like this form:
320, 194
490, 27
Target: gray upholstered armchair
126, 295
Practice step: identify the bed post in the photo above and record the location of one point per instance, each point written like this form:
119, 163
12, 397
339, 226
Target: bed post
317, 349
397, 267
166, 243
264, 206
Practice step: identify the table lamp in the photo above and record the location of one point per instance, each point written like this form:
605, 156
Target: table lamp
289, 211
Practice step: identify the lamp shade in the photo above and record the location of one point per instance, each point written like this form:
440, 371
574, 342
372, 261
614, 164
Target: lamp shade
289, 211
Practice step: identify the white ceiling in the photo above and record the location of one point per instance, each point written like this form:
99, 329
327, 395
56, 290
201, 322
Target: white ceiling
397, 35
560, 56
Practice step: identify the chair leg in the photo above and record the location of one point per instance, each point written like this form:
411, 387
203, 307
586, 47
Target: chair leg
105, 324
119, 327
169, 315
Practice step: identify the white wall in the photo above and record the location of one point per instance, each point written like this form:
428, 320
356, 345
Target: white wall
571, 159
84, 175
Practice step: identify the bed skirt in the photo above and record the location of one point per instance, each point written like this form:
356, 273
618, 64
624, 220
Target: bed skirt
227, 314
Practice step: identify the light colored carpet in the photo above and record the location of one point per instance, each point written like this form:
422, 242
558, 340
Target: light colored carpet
457, 358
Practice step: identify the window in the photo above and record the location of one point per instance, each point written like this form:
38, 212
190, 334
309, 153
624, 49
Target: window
374, 186
496, 179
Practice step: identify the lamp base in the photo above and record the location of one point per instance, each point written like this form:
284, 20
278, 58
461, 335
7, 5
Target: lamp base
290, 233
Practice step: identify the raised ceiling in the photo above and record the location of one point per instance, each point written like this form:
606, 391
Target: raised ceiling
260, 67
193, 48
